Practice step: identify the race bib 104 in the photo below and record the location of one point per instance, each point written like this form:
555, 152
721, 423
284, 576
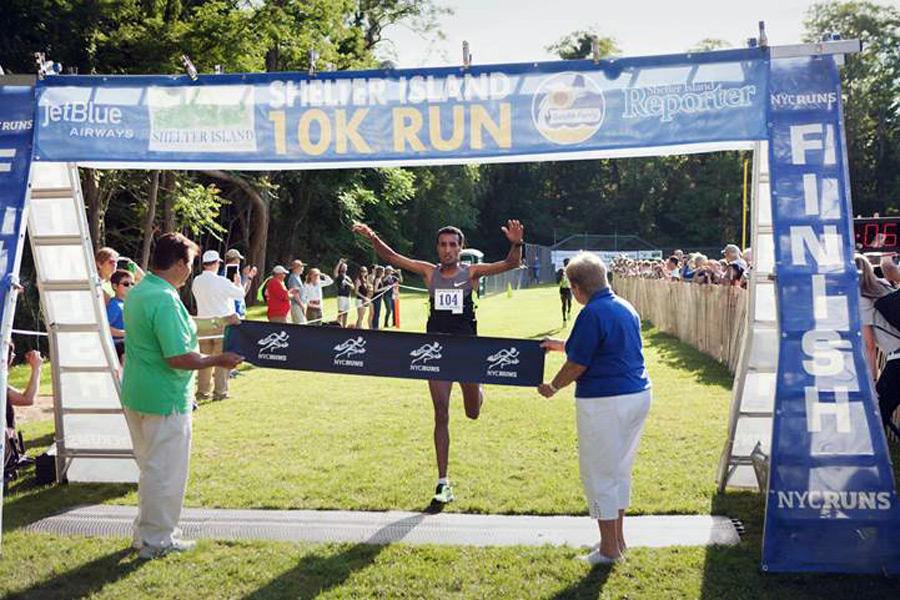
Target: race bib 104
449, 300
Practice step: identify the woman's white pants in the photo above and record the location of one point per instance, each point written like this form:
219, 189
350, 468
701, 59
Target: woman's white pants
609, 429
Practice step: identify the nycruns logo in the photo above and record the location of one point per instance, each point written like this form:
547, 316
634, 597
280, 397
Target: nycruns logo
499, 361
202, 119
811, 100
345, 350
16, 125
843, 500
272, 342
568, 108
423, 354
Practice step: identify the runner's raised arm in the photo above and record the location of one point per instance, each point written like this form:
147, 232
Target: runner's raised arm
387, 254
515, 233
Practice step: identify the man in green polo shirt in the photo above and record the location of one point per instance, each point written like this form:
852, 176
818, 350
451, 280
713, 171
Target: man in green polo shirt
157, 388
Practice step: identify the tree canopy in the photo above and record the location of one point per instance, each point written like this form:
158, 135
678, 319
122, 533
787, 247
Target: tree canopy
685, 201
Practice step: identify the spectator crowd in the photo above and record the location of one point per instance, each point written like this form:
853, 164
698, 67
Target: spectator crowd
879, 306
730, 270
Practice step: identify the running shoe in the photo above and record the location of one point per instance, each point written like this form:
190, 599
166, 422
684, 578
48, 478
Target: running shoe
443, 493
177, 545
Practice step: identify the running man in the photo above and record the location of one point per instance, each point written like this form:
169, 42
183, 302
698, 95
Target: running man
452, 310
565, 291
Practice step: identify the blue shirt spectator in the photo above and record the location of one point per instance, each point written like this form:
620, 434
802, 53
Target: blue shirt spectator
606, 338
115, 314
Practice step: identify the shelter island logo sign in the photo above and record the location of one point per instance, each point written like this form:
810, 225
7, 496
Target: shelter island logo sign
271, 343
422, 355
213, 118
568, 108
348, 349
498, 363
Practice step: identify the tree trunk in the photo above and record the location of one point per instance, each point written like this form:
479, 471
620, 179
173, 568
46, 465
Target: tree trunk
169, 202
260, 201
272, 56
148, 221
92, 198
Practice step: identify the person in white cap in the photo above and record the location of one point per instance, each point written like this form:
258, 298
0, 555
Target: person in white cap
732, 254
299, 300
234, 257
215, 296
278, 299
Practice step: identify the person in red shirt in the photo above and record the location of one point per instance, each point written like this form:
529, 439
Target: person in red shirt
277, 296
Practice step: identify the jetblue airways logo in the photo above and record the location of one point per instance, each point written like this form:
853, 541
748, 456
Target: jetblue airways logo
422, 355
351, 347
498, 363
271, 343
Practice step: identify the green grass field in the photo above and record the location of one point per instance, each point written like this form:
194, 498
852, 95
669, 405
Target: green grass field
305, 440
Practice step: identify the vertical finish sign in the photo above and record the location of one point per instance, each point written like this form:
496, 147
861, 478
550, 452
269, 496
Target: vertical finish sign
832, 504
16, 126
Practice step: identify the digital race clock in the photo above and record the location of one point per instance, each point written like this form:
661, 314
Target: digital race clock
877, 235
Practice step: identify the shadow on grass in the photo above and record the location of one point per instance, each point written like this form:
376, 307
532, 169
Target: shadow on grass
679, 355
590, 587
41, 443
83, 582
25, 502
733, 572
544, 334
314, 574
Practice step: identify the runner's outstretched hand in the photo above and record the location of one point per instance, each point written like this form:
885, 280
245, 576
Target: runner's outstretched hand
514, 231
364, 230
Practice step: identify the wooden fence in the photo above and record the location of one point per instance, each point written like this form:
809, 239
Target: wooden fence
708, 317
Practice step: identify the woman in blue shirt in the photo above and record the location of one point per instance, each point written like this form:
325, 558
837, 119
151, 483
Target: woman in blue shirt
612, 396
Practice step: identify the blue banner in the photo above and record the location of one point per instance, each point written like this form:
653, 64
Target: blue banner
832, 504
408, 116
438, 356
16, 132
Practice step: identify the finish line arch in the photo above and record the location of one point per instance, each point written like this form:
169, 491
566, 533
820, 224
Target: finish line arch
831, 497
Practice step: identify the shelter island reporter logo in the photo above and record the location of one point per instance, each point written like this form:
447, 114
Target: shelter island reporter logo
348, 349
568, 108
498, 363
271, 343
423, 354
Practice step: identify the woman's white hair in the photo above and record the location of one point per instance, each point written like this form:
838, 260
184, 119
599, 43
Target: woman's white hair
588, 272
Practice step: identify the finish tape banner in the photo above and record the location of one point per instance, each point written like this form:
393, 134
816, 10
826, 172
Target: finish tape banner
441, 357
414, 116
832, 504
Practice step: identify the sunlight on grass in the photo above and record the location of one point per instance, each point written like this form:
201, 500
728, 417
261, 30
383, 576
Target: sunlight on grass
310, 440
307, 440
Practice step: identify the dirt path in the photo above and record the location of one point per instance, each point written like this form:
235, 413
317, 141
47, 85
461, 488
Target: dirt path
40, 411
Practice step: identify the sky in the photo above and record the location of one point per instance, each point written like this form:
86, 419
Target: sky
504, 31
